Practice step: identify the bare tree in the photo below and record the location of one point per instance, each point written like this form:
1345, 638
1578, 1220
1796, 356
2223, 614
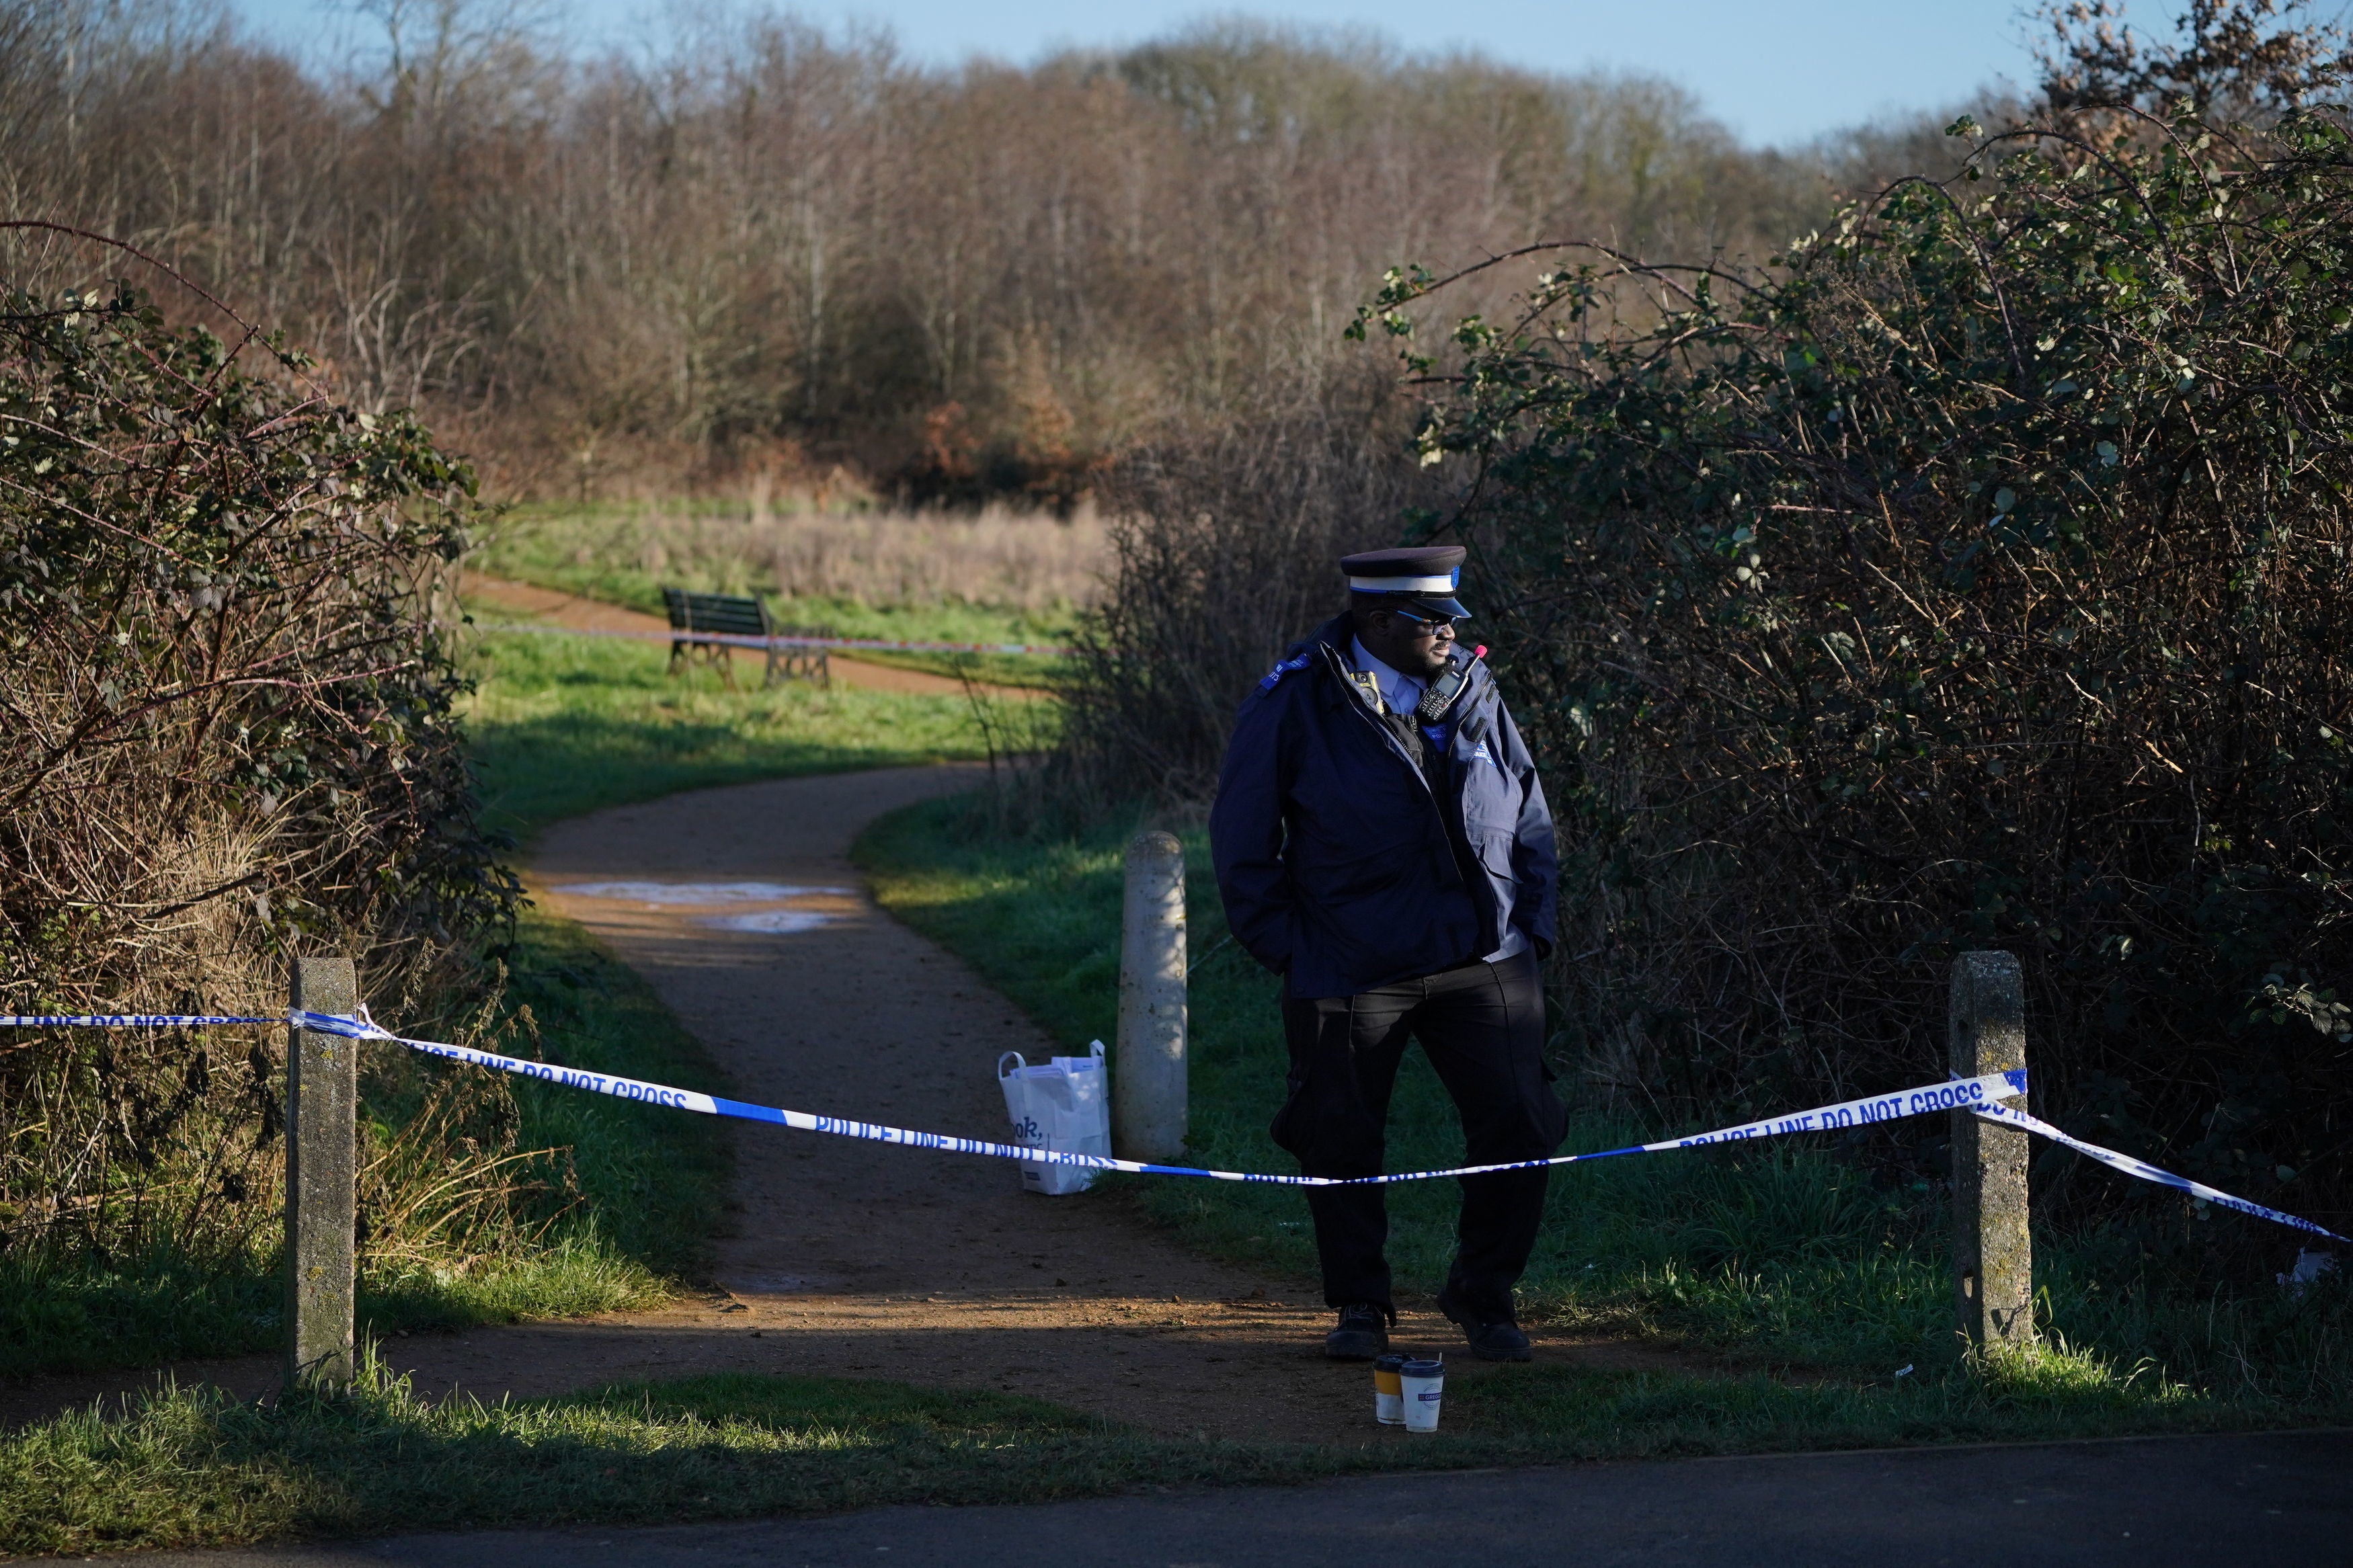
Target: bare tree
758, 243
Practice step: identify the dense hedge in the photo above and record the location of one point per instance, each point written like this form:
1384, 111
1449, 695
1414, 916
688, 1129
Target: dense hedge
1978, 576
231, 738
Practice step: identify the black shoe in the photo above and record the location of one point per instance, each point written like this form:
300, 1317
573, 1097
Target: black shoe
1363, 1333
1492, 1339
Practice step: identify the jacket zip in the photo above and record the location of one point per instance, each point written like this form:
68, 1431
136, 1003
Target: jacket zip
1397, 750
1331, 659
1486, 913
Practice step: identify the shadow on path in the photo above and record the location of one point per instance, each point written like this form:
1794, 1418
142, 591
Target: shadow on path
2276, 1497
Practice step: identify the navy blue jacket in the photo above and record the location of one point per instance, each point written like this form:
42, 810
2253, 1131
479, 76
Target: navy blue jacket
1331, 849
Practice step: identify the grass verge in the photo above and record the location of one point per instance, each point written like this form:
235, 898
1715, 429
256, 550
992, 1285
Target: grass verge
599, 555
619, 1208
189, 1467
564, 725
1774, 1255
631, 1191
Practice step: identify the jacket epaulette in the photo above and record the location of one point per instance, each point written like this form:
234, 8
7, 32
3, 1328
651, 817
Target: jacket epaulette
1275, 676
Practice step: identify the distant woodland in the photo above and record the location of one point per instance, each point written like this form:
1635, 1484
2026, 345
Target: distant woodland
766, 247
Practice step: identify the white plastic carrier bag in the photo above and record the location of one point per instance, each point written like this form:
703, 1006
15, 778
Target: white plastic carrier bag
1061, 1104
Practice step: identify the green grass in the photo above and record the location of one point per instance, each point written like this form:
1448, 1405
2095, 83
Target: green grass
1769, 1255
632, 1197
191, 1467
570, 550
640, 1187
564, 725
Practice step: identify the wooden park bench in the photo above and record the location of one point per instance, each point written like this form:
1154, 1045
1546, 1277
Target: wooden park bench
697, 622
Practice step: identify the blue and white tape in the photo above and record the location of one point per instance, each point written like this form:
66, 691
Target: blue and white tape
123, 1020
2148, 1172
1979, 1096
1962, 1095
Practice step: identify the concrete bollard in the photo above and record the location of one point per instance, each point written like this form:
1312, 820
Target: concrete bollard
1993, 1257
321, 1101
1149, 1089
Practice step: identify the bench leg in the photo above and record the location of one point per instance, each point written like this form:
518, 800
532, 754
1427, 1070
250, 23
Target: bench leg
715, 656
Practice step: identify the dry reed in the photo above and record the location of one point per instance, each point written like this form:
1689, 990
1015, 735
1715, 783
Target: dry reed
998, 556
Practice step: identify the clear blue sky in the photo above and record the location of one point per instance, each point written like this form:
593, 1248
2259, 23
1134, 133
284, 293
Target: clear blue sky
1773, 72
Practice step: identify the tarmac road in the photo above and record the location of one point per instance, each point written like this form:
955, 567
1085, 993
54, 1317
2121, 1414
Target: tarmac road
2281, 1498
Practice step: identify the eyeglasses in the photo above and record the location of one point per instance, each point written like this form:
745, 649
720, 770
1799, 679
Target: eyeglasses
1434, 625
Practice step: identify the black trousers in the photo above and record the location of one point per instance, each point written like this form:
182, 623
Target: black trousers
1483, 1026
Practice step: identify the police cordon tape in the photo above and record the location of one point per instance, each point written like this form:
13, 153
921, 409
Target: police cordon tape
1958, 1095
1979, 1096
123, 1020
746, 639
2146, 1172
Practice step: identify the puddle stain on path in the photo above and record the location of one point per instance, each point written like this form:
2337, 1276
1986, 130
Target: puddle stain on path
657, 895
799, 909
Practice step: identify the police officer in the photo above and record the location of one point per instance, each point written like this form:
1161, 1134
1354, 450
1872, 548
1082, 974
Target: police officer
1382, 843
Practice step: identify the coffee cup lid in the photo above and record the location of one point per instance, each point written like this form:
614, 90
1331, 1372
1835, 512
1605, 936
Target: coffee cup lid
1389, 1363
1422, 1368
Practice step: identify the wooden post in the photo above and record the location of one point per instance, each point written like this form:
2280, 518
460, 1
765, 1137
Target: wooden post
1993, 1258
321, 1101
1148, 1088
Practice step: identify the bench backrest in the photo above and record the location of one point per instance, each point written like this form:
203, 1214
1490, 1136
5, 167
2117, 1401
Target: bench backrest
736, 614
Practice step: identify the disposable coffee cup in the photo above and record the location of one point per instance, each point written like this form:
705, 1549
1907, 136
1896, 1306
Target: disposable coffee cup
1388, 1396
1420, 1383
